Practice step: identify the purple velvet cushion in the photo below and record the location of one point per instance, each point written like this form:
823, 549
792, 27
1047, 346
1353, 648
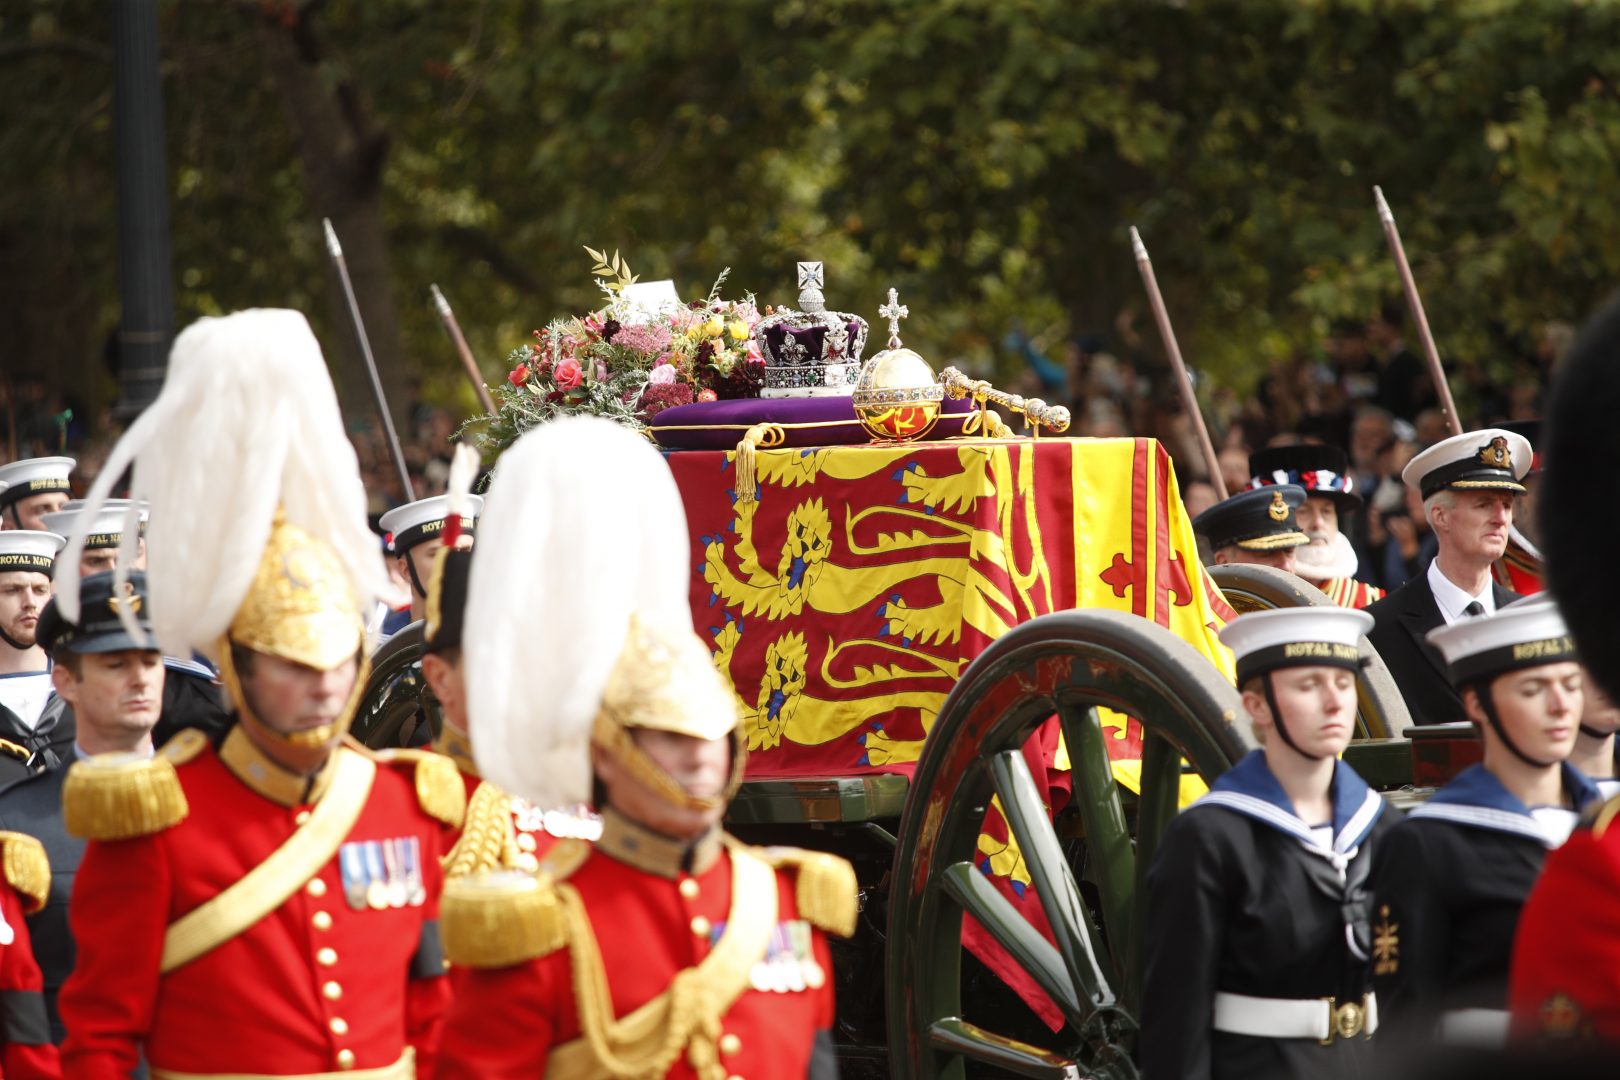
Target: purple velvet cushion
718, 425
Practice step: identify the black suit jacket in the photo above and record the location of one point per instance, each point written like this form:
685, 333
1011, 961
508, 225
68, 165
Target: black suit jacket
1401, 621
34, 806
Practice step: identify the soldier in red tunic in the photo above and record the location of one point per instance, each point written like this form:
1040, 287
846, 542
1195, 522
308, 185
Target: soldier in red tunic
264, 903
26, 1050
667, 948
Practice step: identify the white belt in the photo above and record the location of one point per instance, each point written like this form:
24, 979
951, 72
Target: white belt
1474, 1027
1295, 1018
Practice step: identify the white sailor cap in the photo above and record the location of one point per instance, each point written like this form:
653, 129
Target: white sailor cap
1526, 633
1264, 641
121, 504
1493, 459
423, 520
28, 549
104, 530
34, 476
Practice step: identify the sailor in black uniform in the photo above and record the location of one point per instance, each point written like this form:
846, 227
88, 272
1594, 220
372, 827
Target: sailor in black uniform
192, 694
417, 531
1450, 881
1257, 912
31, 736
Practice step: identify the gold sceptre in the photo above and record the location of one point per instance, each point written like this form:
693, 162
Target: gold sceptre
1036, 413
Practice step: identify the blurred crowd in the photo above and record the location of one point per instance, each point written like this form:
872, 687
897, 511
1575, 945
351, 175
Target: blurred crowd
1367, 390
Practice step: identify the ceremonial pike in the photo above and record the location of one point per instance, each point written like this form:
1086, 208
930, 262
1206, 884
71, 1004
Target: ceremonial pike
459, 340
1431, 352
1189, 397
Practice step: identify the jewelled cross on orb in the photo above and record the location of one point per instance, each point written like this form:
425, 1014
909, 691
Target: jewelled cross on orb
811, 276
894, 311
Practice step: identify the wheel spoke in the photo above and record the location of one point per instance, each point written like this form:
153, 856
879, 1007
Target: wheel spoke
1160, 801
957, 1036
1108, 840
970, 888
1050, 875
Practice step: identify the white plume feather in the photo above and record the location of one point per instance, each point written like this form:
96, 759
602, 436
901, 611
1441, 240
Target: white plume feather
247, 421
582, 526
463, 471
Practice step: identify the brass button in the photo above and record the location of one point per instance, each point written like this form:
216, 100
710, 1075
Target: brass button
345, 1059
701, 926
733, 1078
326, 957
525, 841
316, 887
331, 991
689, 889
321, 920
730, 1044
300, 817
338, 1025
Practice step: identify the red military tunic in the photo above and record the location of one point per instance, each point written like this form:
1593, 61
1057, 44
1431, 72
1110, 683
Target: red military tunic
26, 1050
1565, 980
1520, 567
326, 981
651, 920
1350, 593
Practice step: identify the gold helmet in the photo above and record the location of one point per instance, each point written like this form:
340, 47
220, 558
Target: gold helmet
257, 531
578, 628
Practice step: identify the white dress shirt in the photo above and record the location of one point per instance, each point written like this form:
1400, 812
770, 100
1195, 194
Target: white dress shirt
1453, 600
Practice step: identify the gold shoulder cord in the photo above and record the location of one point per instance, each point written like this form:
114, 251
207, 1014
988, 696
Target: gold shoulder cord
687, 1015
485, 835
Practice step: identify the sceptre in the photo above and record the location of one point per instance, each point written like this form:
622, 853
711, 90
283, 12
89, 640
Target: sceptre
1189, 398
459, 340
1414, 302
335, 249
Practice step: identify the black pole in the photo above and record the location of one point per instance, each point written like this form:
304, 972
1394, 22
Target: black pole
145, 269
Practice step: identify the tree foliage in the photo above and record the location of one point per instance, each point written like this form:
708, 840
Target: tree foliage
986, 157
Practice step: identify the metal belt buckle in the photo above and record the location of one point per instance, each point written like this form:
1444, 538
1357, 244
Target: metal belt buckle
1344, 1021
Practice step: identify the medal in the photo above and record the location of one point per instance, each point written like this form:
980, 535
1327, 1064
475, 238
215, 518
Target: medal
376, 884
413, 873
352, 861
399, 892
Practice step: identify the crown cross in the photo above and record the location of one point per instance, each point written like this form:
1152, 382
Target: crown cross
894, 311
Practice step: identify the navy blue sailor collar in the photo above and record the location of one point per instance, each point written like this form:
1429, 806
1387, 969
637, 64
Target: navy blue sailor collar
1250, 789
1476, 797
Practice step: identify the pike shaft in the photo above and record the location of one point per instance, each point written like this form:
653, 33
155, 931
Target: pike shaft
336, 251
459, 340
1189, 397
1431, 352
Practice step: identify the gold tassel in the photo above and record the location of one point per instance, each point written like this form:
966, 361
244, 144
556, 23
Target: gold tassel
109, 797
760, 435
825, 890
502, 919
27, 869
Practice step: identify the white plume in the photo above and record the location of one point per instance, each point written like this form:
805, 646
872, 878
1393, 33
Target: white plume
463, 471
582, 526
247, 421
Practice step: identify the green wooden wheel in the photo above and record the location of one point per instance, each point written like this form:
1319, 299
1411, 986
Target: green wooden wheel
397, 701
1381, 711
1067, 664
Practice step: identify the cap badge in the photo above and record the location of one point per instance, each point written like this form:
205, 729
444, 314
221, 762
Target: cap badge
1278, 508
116, 603
1496, 454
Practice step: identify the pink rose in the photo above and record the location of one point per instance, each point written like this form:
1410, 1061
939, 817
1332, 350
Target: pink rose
662, 375
567, 374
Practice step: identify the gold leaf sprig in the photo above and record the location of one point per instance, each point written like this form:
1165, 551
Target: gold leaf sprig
613, 272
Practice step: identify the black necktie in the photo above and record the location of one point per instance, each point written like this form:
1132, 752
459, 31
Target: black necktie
1474, 608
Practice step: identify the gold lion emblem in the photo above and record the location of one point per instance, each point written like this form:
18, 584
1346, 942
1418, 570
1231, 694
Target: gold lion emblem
1278, 508
1496, 454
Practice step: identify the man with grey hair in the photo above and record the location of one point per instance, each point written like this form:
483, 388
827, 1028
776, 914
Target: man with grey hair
1468, 483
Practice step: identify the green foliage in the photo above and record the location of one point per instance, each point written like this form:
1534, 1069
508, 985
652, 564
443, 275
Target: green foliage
986, 157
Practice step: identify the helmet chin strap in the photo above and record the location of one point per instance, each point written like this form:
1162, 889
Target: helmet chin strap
1594, 733
13, 642
1281, 726
1487, 703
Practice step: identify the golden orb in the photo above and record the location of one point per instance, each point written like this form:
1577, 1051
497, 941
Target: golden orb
897, 398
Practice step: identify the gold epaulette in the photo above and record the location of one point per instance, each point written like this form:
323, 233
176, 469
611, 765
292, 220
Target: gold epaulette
122, 796
1601, 815
439, 787
824, 887
501, 919
485, 833
11, 749
27, 869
